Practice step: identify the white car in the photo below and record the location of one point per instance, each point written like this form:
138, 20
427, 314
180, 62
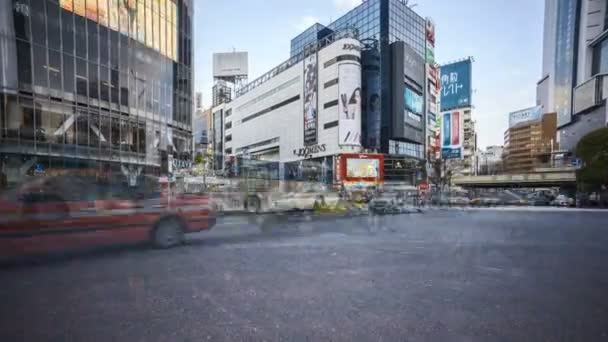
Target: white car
563, 201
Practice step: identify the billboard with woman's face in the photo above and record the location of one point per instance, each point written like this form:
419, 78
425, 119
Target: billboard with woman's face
310, 99
349, 104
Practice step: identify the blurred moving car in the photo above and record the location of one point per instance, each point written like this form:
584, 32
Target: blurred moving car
563, 201
517, 202
305, 200
486, 201
387, 203
52, 214
539, 199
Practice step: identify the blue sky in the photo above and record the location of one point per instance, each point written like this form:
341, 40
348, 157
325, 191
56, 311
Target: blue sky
503, 36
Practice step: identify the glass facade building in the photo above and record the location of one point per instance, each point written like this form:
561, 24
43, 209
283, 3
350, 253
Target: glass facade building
378, 24
95, 84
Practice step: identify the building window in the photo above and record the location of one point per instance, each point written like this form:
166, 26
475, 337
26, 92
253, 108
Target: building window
229, 125
54, 67
38, 22
40, 66
331, 125
330, 83
272, 108
229, 138
67, 32
341, 59
24, 63
330, 104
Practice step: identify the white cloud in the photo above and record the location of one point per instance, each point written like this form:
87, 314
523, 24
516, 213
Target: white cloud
305, 22
345, 5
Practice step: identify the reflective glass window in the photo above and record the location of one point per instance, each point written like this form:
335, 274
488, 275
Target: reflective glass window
24, 62
67, 32
40, 66
22, 22
104, 48
68, 73
114, 53
82, 83
53, 25
54, 67
93, 81
114, 86
104, 84
80, 31
38, 22
93, 39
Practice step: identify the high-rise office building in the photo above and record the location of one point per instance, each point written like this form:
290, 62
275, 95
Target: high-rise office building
394, 75
575, 59
530, 136
104, 86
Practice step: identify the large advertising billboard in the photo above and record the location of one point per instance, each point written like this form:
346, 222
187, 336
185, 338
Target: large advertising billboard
525, 115
349, 104
138, 19
456, 85
451, 134
564, 59
311, 108
362, 168
230, 64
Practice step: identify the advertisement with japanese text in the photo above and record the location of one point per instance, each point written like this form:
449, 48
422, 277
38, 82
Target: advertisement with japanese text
456, 85
349, 110
310, 99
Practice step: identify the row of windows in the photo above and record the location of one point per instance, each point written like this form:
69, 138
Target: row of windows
48, 125
72, 75
258, 144
269, 93
405, 148
107, 47
271, 108
52, 23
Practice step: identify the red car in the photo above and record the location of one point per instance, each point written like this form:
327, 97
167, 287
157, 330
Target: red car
73, 212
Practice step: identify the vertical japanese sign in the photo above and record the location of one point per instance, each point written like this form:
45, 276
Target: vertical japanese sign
564, 59
349, 104
311, 109
451, 135
438, 133
430, 41
456, 85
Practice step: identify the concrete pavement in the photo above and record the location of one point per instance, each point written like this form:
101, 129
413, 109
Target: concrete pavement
441, 276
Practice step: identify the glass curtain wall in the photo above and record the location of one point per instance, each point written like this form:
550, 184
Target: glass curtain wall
97, 80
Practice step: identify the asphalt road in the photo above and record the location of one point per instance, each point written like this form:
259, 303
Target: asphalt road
438, 276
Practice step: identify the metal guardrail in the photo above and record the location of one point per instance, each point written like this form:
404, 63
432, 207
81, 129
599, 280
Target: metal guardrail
548, 177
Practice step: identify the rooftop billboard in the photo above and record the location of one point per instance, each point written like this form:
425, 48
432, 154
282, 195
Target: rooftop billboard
456, 86
525, 115
230, 64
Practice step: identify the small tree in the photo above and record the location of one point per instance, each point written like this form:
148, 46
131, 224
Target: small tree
593, 151
199, 159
